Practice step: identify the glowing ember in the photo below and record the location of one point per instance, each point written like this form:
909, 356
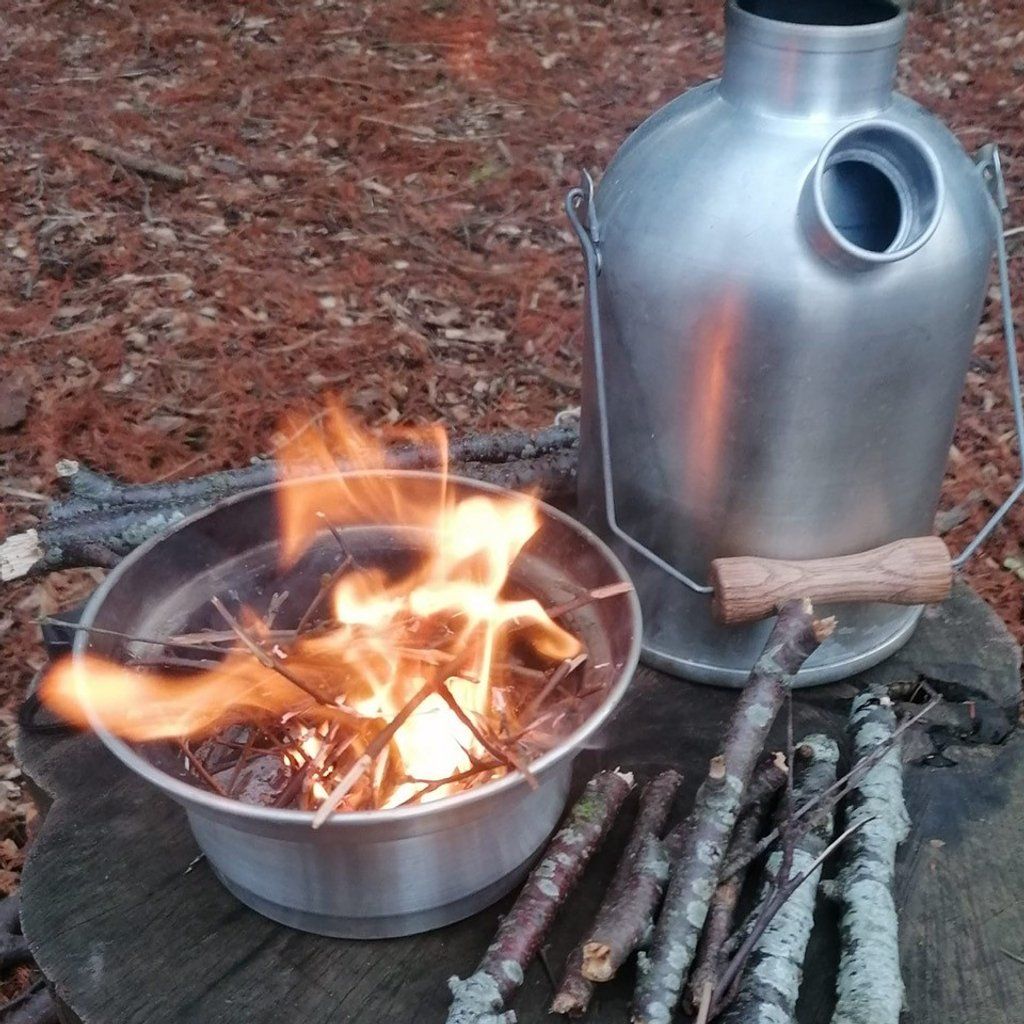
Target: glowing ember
391, 689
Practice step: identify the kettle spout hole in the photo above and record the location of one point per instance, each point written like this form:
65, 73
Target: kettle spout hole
874, 197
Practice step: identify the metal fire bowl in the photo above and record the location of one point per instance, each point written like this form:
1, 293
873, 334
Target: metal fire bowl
368, 874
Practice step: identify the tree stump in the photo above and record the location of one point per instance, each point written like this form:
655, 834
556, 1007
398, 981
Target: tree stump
128, 930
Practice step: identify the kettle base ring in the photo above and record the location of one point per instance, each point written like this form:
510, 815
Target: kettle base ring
834, 670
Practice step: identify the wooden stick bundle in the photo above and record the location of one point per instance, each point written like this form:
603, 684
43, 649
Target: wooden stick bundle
695, 873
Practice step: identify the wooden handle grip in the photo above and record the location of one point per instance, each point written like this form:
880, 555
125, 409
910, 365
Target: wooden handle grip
913, 571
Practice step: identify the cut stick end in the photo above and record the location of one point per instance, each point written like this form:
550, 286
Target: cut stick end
597, 964
566, 1005
823, 628
716, 768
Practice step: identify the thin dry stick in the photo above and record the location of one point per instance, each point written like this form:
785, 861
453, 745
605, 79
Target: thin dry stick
132, 638
481, 998
137, 162
825, 802
561, 672
769, 911
266, 659
588, 597
374, 749
575, 990
696, 872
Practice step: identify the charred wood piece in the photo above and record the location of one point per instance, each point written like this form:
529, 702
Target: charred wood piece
103, 519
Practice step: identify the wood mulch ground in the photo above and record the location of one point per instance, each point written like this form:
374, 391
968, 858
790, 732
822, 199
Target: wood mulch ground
372, 208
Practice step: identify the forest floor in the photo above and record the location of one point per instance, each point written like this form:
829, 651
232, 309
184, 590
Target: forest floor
373, 209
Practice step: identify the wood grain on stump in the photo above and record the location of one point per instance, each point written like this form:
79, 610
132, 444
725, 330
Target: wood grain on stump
128, 935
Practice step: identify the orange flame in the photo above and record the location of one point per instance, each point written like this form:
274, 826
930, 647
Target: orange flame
447, 617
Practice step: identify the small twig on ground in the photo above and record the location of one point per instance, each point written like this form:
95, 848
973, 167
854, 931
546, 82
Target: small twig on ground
639, 865
137, 162
869, 988
695, 874
481, 998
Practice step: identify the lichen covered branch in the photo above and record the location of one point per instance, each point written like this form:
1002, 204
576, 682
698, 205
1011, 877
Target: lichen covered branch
771, 982
481, 998
768, 778
695, 874
103, 519
869, 988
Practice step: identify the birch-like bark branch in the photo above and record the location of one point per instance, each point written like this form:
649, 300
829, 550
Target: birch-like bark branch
869, 987
695, 874
771, 983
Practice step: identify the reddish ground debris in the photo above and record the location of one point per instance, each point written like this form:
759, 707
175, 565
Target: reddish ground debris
372, 208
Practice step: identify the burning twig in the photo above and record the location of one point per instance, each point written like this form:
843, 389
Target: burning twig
869, 988
795, 636
481, 998
771, 982
196, 765
265, 658
642, 864
375, 748
492, 746
765, 783
588, 597
78, 627
327, 585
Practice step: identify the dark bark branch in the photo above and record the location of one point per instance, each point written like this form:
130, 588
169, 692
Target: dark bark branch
481, 998
771, 982
695, 874
869, 987
643, 863
105, 519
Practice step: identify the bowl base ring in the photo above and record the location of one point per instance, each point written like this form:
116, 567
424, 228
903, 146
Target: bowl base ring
384, 927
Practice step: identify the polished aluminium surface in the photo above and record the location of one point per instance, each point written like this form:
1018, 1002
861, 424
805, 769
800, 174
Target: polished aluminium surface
376, 873
793, 261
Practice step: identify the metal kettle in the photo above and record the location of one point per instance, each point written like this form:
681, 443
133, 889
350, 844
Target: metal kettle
785, 271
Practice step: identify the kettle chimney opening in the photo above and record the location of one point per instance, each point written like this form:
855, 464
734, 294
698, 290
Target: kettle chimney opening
822, 12
874, 196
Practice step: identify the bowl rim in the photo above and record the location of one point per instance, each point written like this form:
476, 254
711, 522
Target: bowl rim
188, 794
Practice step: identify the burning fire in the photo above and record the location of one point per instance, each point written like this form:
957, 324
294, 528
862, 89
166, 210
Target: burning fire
388, 689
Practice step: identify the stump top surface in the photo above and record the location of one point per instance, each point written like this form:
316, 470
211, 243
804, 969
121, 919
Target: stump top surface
129, 935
